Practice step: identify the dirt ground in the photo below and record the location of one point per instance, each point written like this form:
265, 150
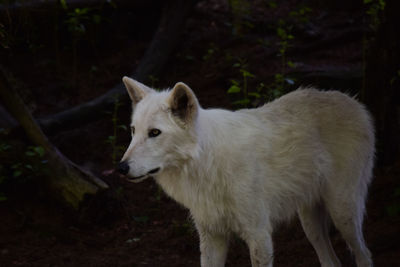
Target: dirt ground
145, 227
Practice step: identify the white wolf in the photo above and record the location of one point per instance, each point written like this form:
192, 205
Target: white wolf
308, 152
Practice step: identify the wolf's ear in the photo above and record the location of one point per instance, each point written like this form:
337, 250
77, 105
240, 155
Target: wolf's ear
136, 90
183, 103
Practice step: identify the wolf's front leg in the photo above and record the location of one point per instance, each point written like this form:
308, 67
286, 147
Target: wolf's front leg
261, 249
213, 248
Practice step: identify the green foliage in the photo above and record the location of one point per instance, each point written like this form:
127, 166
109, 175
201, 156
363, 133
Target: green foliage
271, 4
235, 88
212, 50
301, 15
4, 42
283, 32
240, 10
183, 228
21, 167
281, 81
64, 4
78, 20
241, 87
395, 78
141, 219
285, 36
159, 193
33, 163
374, 8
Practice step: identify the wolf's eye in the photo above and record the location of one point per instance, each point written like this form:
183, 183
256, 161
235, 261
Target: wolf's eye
154, 132
133, 130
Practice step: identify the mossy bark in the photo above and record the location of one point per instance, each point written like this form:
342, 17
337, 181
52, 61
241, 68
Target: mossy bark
65, 180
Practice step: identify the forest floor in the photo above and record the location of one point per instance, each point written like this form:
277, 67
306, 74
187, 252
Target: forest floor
146, 228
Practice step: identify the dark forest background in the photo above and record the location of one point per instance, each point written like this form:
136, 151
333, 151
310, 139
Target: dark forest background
64, 115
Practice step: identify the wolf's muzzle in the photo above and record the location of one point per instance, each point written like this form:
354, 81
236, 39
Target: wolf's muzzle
123, 168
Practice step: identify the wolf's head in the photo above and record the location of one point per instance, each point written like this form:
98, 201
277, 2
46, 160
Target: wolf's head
163, 130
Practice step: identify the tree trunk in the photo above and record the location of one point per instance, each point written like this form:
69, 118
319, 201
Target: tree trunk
65, 180
381, 90
165, 39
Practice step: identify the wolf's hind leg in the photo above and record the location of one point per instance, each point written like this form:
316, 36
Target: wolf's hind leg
314, 221
347, 216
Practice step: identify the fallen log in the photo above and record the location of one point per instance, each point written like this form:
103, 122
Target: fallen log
65, 180
16, 6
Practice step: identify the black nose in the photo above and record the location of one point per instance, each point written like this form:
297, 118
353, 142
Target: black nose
123, 168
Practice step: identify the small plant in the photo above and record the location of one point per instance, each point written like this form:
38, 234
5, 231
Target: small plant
159, 193
271, 4
374, 7
112, 139
285, 36
4, 42
281, 81
153, 81
241, 87
35, 162
183, 228
77, 22
32, 163
141, 219
301, 15
211, 51
240, 10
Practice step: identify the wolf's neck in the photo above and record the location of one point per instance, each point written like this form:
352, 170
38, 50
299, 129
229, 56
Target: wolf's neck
198, 173
186, 183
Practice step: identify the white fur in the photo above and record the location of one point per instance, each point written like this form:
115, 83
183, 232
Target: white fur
308, 152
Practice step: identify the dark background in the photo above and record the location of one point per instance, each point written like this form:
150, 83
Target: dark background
58, 56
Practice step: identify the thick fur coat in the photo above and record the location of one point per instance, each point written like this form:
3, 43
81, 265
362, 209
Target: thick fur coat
309, 153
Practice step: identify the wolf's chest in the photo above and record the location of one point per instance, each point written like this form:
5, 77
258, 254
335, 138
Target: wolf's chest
206, 203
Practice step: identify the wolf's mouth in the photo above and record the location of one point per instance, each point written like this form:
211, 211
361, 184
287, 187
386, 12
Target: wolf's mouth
153, 171
144, 176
